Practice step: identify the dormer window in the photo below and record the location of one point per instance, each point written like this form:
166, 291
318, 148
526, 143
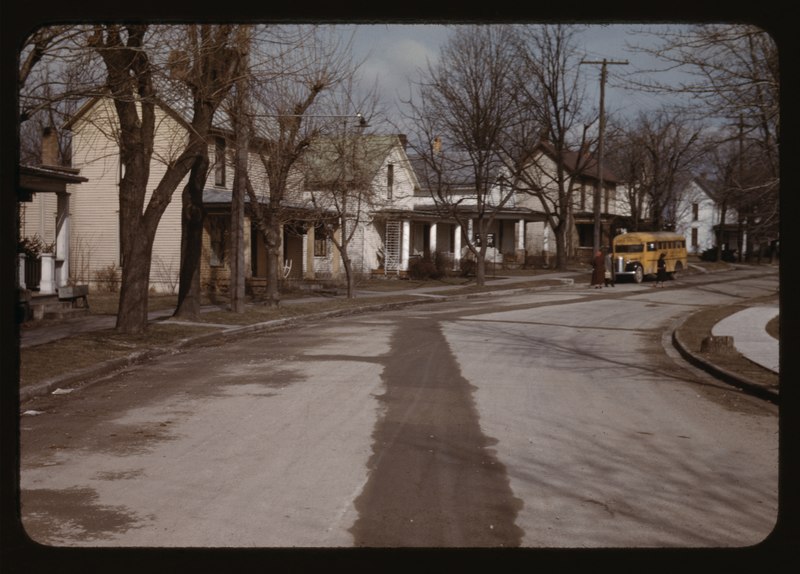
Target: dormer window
219, 162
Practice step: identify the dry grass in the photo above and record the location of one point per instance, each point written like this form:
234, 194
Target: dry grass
44, 362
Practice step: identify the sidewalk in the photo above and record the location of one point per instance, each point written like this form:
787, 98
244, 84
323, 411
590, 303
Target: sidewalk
750, 337
746, 328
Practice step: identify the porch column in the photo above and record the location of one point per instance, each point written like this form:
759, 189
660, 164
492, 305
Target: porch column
546, 245
21, 257
249, 248
62, 238
432, 241
47, 285
405, 245
521, 241
308, 247
457, 247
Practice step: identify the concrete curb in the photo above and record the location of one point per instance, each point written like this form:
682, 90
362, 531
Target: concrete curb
733, 379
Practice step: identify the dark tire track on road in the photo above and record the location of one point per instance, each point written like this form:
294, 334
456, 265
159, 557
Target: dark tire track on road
434, 480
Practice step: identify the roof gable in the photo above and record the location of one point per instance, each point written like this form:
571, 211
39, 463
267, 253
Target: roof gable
578, 164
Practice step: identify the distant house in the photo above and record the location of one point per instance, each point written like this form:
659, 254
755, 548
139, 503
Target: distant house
307, 253
397, 221
699, 219
424, 226
582, 171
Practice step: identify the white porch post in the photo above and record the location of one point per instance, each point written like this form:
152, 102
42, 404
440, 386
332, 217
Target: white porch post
62, 238
21, 257
457, 247
521, 241
405, 245
432, 236
546, 245
47, 284
308, 249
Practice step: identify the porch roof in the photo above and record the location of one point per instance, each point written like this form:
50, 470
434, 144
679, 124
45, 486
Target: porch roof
45, 179
428, 213
221, 199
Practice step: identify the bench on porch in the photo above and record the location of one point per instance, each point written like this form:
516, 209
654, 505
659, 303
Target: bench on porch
75, 294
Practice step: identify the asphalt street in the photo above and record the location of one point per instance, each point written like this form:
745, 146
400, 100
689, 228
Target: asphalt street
747, 328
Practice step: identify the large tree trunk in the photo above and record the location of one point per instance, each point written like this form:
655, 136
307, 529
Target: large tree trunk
480, 268
133, 299
242, 128
273, 244
348, 273
237, 266
193, 216
561, 246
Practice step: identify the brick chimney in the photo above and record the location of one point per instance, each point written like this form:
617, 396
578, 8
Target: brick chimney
50, 147
403, 140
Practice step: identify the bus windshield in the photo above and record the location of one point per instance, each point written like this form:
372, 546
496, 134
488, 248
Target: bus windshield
638, 248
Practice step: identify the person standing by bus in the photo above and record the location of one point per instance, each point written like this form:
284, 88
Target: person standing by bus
661, 270
610, 278
599, 270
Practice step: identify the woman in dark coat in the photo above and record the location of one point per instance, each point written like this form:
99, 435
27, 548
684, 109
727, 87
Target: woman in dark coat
599, 270
661, 271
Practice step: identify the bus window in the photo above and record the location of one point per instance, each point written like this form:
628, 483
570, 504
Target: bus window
651, 246
638, 248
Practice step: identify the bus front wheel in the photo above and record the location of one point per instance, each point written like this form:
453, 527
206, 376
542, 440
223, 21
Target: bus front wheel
638, 274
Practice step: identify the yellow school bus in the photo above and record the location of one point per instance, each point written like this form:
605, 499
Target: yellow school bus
635, 255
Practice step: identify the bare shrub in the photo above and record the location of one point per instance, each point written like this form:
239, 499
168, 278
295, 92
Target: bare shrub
107, 279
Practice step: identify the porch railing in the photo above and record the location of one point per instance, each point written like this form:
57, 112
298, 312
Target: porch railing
33, 273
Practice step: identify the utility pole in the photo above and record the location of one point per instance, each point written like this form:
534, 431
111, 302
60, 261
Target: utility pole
599, 189
241, 122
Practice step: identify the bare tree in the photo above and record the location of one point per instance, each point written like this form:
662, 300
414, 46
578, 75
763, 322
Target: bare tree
745, 185
672, 147
340, 176
289, 111
551, 139
734, 70
241, 122
628, 159
132, 82
54, 66
466, 107
55, 76
208, 64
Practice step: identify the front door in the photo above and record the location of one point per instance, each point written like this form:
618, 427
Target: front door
293, 254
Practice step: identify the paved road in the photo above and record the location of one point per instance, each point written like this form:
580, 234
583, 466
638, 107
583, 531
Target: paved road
559, 419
